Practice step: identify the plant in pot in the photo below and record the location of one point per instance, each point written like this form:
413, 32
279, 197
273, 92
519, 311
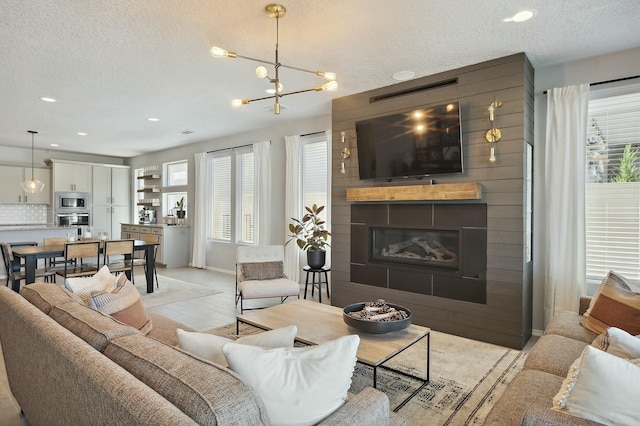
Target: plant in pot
310, 234
180, 212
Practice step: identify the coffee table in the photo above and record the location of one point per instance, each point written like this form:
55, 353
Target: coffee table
318, 323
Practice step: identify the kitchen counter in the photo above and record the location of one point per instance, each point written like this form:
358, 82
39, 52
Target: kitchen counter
174, 248
34, 227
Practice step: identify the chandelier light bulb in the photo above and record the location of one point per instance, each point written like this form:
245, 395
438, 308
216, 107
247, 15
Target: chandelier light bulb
261, 72
330, 86
237, 103
327, 75
492, 156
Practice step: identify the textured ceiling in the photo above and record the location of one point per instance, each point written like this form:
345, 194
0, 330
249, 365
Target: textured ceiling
111, 64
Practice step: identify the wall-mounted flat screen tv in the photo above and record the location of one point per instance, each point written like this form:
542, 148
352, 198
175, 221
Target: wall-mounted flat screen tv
420, 142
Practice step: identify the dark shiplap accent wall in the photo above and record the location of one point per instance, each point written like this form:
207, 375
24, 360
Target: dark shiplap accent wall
506, 318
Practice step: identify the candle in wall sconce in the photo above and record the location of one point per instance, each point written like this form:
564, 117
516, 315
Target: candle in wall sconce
493, 135
345, 152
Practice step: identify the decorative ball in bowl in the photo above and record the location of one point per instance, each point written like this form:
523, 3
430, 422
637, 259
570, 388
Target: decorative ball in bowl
376, 317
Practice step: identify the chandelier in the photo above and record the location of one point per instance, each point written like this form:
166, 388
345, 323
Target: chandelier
276, 11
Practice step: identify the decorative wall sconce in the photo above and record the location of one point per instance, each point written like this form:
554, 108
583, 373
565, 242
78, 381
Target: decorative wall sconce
345, 152
493, 135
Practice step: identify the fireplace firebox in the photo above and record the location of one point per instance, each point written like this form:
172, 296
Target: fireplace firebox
436, 248
432, 249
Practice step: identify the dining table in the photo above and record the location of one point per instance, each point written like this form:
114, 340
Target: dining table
31, 254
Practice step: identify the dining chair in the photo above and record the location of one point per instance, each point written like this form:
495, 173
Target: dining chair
123, 249
149, 239
74, 253
15, 273
53, 262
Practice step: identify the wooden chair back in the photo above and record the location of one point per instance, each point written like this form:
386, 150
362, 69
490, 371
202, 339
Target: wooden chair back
81, 250
114, 247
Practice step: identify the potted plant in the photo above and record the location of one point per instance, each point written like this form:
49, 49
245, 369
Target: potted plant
310, 235
180, 213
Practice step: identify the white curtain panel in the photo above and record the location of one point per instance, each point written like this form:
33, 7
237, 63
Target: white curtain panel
262, 159
564, 195
199, 213
292, 205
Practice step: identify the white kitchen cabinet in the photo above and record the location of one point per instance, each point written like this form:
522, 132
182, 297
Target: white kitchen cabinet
110, 199
11, 192
72, 177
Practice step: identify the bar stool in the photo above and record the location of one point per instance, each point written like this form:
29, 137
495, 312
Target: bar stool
316, 280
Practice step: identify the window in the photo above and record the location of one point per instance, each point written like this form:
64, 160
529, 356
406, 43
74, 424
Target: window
170, 202
176, 173
612, 196
246, 195
220, 187
314, 172
231, 184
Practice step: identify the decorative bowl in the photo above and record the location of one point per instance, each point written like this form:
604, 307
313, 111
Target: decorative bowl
375, 327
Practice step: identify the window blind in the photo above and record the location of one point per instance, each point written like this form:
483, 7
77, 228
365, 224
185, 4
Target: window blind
612, 207
246, 195
313, 163
220, 196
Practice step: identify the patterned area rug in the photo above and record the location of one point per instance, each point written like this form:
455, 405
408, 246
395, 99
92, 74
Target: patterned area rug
467, 377
170, 290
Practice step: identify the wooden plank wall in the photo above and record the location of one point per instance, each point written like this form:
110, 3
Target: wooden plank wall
506, 318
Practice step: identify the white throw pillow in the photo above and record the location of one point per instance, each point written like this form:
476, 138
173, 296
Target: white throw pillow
299, 386
618, 342
601, 387
103, 280
209, 346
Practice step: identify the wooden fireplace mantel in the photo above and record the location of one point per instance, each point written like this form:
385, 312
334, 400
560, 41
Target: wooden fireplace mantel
445, 191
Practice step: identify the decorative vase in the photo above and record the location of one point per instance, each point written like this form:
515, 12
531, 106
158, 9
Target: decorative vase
180, 213
316, 258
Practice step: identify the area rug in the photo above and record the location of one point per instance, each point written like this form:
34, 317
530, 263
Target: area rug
466, 378
171, 290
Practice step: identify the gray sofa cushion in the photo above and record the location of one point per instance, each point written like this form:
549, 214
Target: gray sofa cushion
206, 392
92, 326
529, 389
46, 296
554, 354
164, 329
570, 324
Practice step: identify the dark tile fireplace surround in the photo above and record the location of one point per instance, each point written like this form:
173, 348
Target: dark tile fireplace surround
431, 249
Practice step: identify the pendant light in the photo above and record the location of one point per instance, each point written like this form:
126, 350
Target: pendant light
32, 185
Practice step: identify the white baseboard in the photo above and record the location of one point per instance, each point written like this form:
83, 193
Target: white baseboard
537, 333
224, 271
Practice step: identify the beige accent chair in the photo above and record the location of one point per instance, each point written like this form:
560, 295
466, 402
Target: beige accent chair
260, 275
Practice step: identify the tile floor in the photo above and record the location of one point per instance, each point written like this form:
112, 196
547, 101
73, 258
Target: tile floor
218, 309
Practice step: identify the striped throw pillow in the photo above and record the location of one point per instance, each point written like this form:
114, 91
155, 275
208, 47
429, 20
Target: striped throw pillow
614, 305
124, 304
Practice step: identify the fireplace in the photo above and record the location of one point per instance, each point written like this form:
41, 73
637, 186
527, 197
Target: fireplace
432, 249
423, 247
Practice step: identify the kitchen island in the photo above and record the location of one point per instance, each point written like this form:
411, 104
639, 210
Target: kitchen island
36, 233
174, 249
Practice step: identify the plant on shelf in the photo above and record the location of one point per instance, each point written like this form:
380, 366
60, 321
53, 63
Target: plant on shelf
310, 234
180, 205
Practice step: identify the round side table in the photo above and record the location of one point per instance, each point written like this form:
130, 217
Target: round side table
316, 280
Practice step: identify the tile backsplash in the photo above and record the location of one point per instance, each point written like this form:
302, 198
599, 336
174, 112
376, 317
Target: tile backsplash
23, 214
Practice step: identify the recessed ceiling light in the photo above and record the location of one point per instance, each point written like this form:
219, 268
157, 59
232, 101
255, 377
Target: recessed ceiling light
82, 134
153, 119
45, 99
54, 144
403, 75
523, 15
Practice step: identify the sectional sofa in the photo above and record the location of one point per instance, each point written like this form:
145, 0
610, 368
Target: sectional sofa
69, 364
528, 398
